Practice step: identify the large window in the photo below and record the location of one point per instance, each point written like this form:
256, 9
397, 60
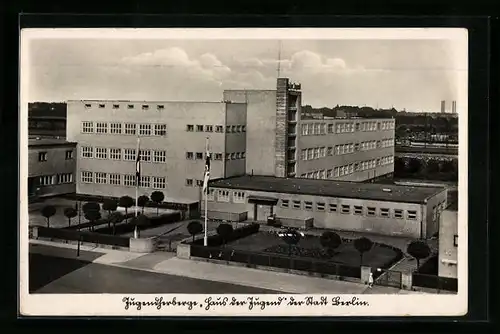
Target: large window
115, 179
115, 153
160, 129
160, 156
100, 178
101, 153
87, 177
130, 128
144, 129
129, 154
159, 182
87, 152
115, 128
87, 127
102, 127
145, 182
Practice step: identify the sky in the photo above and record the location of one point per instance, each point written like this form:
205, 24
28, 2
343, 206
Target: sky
406, 74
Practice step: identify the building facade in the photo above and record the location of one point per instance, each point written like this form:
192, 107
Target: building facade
51, 167
173, 137
345, 206
448, 244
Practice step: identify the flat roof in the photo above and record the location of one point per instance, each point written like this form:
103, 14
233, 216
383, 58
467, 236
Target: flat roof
142, 101
33, 142
329, 188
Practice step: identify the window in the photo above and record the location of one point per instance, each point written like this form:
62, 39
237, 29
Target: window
129, 154
100, 178
144, 129
145, 182
411, 214
233, 128
69, 155
219, 128
129, 180
145, 107
115, 128
199, 156
160, 107
238, 128
189, 182
101, 153
88, 127
115, 179
115, 153
233, 156
88, 105
160, 156
330, 128
145, 155
223, 196
199, 183
398, 213
308, 205
42, 156
101, 127
46, 180
296, 204
102, 105
211, 195
199, 128
243, 128
87, 177
116, 106
320, 206
238, 197
384, 212
218, 156
285, 203
209, 128
159, 182
130, 106
130, 129
190, 128
189, 155
330, 150
358, 210
345, 208
160, 129
228, 128
455, 240
303, 129
87, 152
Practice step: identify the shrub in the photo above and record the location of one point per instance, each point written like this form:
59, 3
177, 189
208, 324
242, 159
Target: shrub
70, 213
91, 206
92, 216
126, 202
331, 241
152, 222
419, 250
194, 228
362, 245
115, 218
84, 236
109, 205
48, 211
142, 201
291, 238
216, 240
157, 197
225, 231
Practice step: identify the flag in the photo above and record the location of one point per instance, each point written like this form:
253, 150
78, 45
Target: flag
206, 177
138, 165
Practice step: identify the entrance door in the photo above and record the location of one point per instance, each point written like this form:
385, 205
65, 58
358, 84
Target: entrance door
31, 186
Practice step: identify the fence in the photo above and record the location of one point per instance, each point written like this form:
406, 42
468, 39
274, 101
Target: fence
83, 236
276, 261
388, 278
435, 282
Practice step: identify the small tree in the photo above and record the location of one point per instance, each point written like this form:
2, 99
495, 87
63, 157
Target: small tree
291, 238
126, 202
224, 231
116, 218
48, 211
331, 241
363, 245
70, 213
92, 216
142, 201
109, 205
140, 221
91, 206
157, 197
194, 228
419, 250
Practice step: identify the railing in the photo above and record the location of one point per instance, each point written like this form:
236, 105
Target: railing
435, 282
55, 233
276, 261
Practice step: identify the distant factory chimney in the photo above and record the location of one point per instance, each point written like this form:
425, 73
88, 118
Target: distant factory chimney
454, 107
443, 107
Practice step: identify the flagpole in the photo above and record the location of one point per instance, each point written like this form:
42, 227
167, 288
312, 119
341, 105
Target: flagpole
136, 190
205, 239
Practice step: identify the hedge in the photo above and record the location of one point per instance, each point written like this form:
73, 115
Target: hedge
83, 236
241, 232
154, 221
102, 221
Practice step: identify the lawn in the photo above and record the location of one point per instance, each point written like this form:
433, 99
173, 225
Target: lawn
378, 257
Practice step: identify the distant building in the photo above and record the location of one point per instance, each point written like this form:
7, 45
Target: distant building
406, 211
454, 107
51, 167
448, 244
443, 107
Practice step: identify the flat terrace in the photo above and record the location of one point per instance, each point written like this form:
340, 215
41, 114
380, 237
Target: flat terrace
330, 188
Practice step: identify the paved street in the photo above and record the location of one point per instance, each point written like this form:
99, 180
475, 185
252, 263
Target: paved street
51, 274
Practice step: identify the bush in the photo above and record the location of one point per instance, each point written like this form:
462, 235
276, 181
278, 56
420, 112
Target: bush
216, 240
123, 228
84, 236
104, 221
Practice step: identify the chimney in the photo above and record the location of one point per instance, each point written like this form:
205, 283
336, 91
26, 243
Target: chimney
443, 106
454, 107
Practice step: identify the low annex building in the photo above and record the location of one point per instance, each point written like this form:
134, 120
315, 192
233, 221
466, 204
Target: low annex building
340, 205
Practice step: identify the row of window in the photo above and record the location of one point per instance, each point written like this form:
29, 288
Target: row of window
218, 128
128, 180
321, 152
143, 129
127, 154
348, 169
42, 156
314, 129
48, 180
102, 105
215, 156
